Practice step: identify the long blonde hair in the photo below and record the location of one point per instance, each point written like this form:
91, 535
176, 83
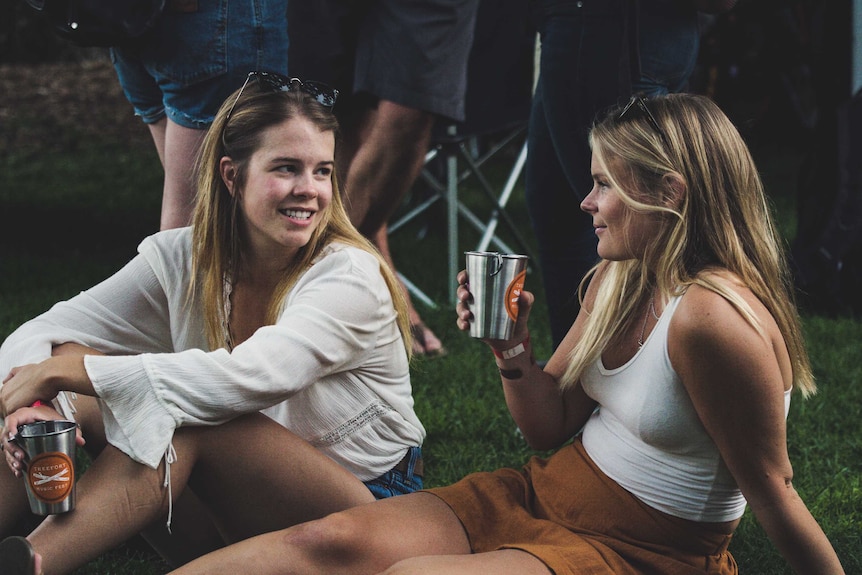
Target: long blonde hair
217, 243
723, 221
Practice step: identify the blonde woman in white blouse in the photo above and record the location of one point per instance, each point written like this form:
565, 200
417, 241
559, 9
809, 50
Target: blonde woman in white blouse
270, 304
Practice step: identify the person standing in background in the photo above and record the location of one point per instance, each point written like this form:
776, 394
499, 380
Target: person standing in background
179, 73
594, 55
399, 66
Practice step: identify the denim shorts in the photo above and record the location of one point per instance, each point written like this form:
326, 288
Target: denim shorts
192, 61
397, 482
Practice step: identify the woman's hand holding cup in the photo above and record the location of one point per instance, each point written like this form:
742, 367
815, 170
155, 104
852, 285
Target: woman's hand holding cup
465, 316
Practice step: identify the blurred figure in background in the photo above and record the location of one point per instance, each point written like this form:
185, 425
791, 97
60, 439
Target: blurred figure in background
827, 250
179, 73
399, 66
594, 54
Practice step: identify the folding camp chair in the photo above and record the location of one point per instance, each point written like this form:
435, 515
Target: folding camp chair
499, 90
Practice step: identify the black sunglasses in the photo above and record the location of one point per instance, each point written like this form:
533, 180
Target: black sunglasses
324, 95
640, 103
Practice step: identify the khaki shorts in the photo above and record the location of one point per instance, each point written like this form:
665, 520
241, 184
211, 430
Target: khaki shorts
567, 513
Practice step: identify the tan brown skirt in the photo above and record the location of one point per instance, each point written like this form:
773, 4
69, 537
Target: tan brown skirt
576, 520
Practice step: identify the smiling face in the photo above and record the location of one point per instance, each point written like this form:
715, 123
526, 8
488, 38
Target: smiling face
287, 188
623, 232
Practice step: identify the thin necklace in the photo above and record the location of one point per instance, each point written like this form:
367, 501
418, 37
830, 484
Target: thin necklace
650, 310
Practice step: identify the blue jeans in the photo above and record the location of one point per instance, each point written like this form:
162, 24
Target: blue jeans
583, 71
191, 62
396, 482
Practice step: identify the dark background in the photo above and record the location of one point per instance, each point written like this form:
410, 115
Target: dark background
773, 65
779, 68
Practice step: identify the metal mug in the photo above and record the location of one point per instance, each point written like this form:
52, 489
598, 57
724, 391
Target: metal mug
50, 465
496, 281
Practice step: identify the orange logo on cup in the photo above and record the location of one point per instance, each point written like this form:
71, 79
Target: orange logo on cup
513, 292
51, 476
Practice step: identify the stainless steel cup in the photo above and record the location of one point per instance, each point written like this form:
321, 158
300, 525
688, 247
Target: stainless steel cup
50, 465
495, 281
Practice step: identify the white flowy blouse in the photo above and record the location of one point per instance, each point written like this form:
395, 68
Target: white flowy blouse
332, 369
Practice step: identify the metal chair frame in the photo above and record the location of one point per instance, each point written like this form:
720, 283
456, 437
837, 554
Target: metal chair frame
455, 150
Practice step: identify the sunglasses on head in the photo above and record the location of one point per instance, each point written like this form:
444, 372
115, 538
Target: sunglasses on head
324, 95
638, 102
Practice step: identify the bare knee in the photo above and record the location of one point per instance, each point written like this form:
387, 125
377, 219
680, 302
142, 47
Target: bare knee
337, 533
335, 540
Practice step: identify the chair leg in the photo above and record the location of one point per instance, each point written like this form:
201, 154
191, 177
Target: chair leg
453, 153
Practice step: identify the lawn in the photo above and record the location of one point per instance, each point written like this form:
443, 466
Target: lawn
78, 195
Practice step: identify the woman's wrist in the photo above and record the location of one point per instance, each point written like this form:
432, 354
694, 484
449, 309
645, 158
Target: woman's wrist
67, 373
513, 351
51, 380
515, 361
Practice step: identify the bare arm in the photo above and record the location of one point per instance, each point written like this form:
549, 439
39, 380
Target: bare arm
43, 381
737, 378
546, 416
74, 349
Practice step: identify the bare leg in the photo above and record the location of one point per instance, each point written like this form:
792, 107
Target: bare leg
193, 532
424, 340
503, 562
181, 146
15, 516
387, 156
387, 162
269, 479
177, 147
415, 533
261, 476
114, 497
366, 539
158, 133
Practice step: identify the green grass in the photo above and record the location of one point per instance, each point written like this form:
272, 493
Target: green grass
68, 219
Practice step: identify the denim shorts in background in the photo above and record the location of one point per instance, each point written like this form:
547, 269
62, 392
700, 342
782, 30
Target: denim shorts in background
192, 61
397, 482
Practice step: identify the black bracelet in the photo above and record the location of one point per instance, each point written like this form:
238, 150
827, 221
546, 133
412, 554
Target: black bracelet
511, 373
